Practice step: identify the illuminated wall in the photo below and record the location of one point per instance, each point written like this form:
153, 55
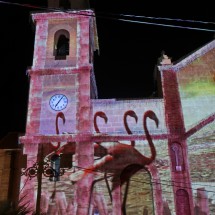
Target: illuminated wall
197, 90
112, 175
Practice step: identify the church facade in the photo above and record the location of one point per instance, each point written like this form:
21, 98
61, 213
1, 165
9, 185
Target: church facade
86, 155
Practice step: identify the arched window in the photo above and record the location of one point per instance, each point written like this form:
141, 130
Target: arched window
61, 44
182, 202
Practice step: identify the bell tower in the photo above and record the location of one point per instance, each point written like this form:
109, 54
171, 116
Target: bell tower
63, 51
61, 82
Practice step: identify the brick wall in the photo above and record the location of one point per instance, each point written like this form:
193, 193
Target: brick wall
197, 88
115, 109
5, 159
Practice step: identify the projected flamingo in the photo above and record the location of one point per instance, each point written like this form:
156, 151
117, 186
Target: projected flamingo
121, 155
102, 115
101, 151
98, 149
134, 167
130, 113
57, 148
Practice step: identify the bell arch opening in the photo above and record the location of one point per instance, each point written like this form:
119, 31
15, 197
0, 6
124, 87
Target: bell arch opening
61, 44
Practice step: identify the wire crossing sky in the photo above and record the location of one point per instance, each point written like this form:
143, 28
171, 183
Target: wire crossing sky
109, 16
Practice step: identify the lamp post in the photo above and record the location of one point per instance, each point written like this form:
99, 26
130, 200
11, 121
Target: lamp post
42, 167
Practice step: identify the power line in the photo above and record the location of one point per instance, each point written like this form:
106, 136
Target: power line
156, 189
152, 182
126, 20
168, 25
162, 18
153, 188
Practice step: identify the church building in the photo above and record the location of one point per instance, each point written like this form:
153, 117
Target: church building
81, 155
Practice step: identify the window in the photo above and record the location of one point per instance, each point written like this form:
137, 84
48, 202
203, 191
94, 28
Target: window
55, 164
59, 162
61, 44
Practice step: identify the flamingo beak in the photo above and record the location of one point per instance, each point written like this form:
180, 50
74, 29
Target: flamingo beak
156, 121
133, 114
106, 119
136, 119
64, 120
61, 115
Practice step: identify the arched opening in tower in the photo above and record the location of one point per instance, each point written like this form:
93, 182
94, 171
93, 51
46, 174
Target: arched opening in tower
61, 45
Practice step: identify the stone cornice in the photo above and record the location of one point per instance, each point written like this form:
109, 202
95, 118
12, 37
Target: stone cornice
36, 139
58, 14
58, 71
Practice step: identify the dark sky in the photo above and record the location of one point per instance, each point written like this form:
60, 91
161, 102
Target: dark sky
128, 50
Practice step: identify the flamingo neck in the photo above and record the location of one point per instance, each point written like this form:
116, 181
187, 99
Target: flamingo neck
56, 125
57, 132
126, 125
149, 139
95, 125
128, 129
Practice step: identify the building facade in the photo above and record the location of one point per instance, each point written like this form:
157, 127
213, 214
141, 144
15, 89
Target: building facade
106, 156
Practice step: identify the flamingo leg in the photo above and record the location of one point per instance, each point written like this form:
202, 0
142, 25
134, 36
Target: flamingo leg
108, 186
125, 197
93, 184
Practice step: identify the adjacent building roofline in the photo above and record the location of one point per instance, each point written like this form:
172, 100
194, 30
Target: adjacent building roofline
190, 58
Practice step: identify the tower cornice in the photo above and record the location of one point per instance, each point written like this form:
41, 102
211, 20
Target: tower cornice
58, 71
61, 14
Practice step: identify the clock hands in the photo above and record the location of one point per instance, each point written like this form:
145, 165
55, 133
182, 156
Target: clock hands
59, 101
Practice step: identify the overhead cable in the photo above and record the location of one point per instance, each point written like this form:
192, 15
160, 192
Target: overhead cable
126, 20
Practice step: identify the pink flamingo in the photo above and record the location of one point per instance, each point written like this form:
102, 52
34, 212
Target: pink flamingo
101, 151
57, 148
98, 149
121, 155
130, 113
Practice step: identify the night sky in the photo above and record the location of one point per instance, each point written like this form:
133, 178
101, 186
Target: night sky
128, 50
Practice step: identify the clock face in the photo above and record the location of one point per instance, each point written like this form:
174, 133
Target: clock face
58, 102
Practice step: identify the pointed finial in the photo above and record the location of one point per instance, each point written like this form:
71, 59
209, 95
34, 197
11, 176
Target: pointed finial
164, 59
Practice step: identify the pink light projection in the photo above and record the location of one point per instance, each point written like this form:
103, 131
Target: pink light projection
98, 156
